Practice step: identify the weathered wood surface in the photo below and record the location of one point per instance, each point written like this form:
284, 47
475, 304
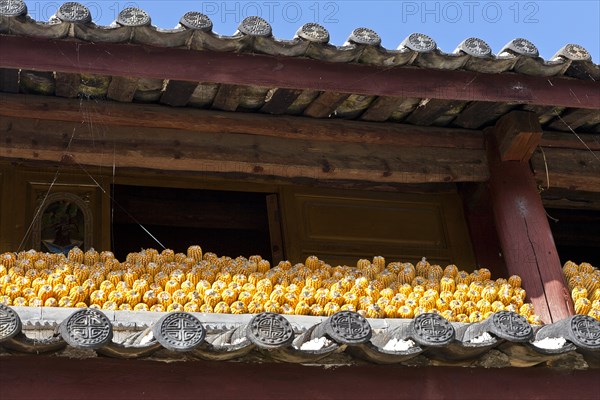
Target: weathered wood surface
178, 150
381, 108
518, 133
67, 85
275, 233
227, 97
324, 105
280, 100
573, 119
292, 73
122, 89
203, 121
178, 93
9, 80
567, 168
570, 141
525, 236
481, 113
431, 109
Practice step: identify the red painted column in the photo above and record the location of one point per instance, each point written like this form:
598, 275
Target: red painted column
525, 237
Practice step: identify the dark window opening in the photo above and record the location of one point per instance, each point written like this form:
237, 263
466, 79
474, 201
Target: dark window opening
576, 235
223, 222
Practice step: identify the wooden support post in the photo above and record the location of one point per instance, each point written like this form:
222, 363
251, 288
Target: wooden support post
527, 243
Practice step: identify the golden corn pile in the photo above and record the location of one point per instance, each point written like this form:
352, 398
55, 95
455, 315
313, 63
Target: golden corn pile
204, 282
584, 284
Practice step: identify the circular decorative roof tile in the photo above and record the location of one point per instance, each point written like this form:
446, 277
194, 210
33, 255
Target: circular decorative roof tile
313, 33
348, 327
179, 331
523, 47
432, 330
270, 330
196, 20
511, 326
132, 16
87, 329
585, 331
365, 36
419, 42
475, 47
574, 52
255, 26
10, 323
12, 8
74, 13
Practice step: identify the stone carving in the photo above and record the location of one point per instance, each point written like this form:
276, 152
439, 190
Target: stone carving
255, 26
365, 36
348, 327
475, 47
432, 330
313, 33
179, 331
12, 8
586, 331
74, 13
132, 16
10, 323
270, 330
511, 326
196, 20
87, 329
419, 42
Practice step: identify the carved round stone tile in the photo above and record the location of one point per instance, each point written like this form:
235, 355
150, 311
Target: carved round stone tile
523, 47
179, 331
196, 20
132, 16
432, 330
419, 42
313, 33
10, 323
348, 327
87, 329
475, 47
585, 331
12, 8
365, 36
270, 330
575, 52
255, 26
511, 326
74, 13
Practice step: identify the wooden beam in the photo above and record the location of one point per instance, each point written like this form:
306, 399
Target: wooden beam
570, 141
381, 109
480, 113
204, 121
292, 72
573, 119
431, 109
527, 244
234, 153
518, 133
567, 168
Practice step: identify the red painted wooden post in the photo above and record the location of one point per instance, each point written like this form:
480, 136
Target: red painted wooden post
527, 243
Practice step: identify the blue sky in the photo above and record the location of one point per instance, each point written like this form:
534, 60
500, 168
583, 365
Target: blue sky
548, 24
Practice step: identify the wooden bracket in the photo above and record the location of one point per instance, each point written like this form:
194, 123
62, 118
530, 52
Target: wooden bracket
518, 133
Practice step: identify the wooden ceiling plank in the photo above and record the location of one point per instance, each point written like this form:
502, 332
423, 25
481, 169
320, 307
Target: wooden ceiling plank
117, 59
227, 98
178, 93
9, 80
280, 101
325, 105
381, 109
429, 110
122, 89
481, 113
67, 85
